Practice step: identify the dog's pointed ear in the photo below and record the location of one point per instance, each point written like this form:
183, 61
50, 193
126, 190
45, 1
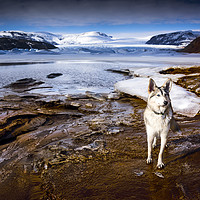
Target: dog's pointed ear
152, 85
168, 85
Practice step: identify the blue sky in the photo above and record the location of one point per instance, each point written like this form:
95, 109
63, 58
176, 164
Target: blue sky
127, 18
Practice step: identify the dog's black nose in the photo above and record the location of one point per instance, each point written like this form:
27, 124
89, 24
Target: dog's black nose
165, 103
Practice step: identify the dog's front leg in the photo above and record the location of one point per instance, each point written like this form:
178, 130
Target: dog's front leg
154, 142
160, 164
150, 138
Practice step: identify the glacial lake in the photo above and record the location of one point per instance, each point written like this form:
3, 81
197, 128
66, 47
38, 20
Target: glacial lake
80, 74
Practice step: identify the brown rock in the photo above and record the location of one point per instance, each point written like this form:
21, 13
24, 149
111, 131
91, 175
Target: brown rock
193, 47
24, 83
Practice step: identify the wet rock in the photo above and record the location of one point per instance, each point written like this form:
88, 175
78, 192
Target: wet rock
120, 71
138, 173
96, 145
54, 75
78, 130
98, 123
181, 70
23, 84
30, 97
34, 123
160, 175
26, 82
10, 107
11, 98
88, 105
18, 124
75, 104
51, 103
192, 83
96, 96
192, 79
114, 96
127, 121
76, 96
63, 149
114, 131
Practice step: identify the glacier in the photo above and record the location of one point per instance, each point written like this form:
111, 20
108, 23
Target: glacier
89, 42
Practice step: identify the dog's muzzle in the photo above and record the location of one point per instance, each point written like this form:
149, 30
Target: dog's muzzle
165, 103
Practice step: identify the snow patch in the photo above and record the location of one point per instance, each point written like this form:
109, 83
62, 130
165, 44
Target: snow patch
183, 101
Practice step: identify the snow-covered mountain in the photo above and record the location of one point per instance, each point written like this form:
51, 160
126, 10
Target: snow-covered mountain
176, 38
59, 39
68, 40
10, 44
84, 38
39, 37
83, 43
98, 39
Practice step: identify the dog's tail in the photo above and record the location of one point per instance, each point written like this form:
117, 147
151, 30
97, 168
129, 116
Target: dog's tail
175, 126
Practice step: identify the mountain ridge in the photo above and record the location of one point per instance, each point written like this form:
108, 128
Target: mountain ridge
174, 38
10, 43
92, 37
45, 40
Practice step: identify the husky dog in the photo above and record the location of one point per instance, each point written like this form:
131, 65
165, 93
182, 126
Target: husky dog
158, 118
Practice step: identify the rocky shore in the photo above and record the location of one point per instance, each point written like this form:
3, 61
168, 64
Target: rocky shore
90, 146
190, 79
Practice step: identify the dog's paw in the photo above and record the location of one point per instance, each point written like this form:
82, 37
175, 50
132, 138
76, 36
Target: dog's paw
160, 165
149, 160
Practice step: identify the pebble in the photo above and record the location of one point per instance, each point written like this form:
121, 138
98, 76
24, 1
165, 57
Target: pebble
114, 95
139, 173
88, 105
114, 130
75, 104
159, 174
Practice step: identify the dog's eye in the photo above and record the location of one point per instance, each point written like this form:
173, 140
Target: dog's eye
158, 95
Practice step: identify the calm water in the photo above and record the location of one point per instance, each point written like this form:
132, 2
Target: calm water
78, 76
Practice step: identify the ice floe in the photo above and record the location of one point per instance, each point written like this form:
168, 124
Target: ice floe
183, 101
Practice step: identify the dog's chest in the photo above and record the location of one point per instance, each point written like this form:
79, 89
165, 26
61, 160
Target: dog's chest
159, 122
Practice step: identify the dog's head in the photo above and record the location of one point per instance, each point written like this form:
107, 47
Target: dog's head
159, 96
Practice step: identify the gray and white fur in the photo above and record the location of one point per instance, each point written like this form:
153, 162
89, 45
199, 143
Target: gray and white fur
158, 118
